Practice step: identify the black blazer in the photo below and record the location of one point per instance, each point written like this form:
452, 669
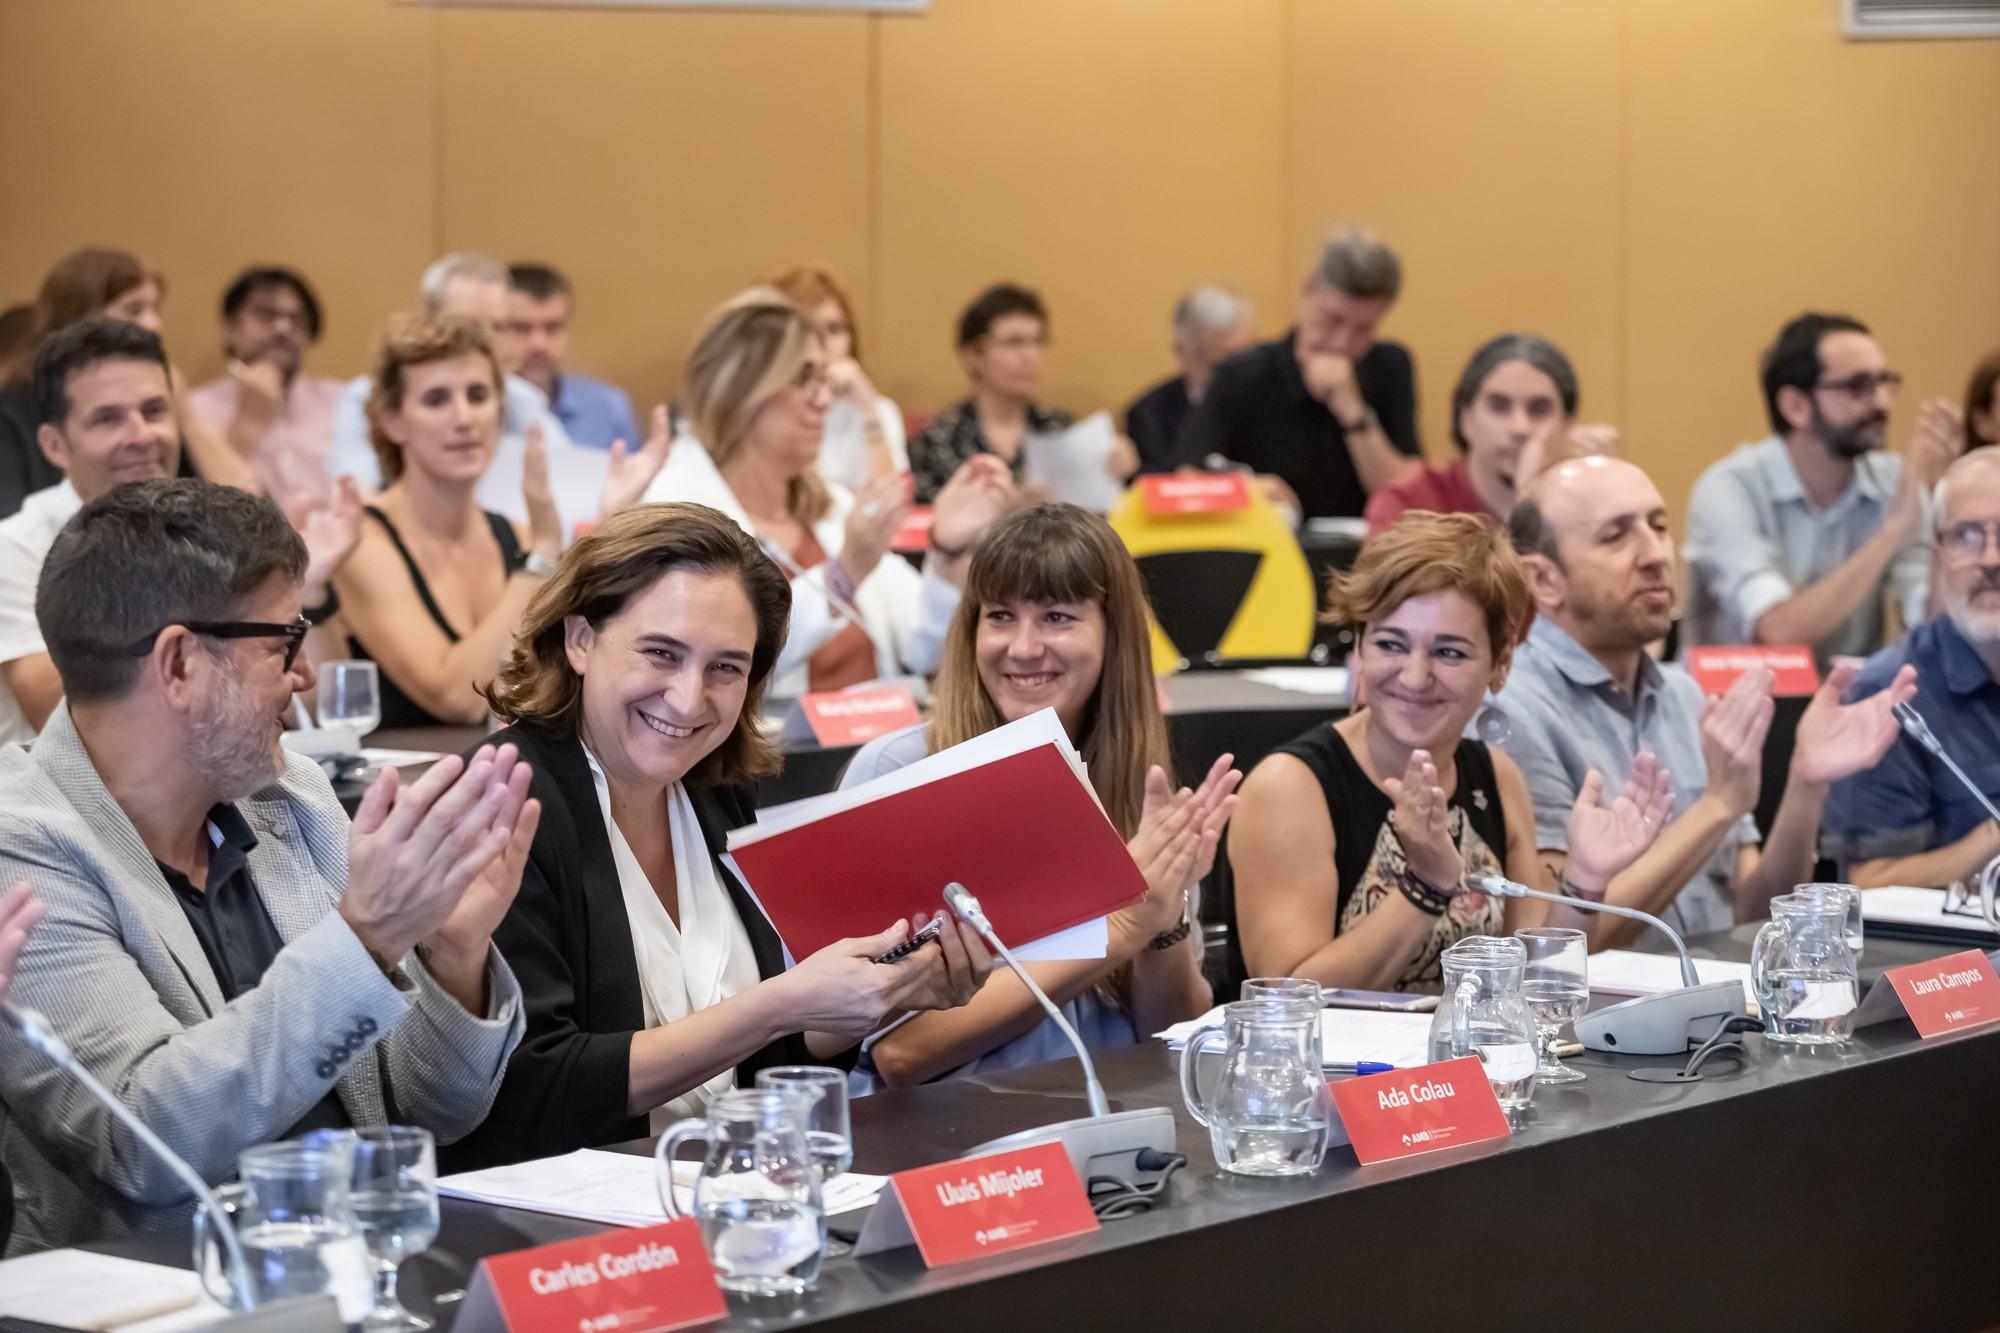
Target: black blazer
570, 945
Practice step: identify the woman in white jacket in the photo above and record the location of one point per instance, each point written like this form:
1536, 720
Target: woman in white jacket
755, 397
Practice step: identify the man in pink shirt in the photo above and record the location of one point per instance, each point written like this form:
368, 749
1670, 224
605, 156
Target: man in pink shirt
1510, 418
278, 418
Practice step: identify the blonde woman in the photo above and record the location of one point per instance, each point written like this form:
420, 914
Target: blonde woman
1054, 616
756, 396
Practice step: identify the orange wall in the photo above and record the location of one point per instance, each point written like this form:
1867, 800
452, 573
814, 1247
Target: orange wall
1655, 185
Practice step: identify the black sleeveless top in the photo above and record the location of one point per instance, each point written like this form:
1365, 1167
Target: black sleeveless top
1366, 854
399, 709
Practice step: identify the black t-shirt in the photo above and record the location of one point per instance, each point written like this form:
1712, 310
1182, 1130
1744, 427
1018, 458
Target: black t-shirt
1153, 423
237, 933
1258, 412
24, 468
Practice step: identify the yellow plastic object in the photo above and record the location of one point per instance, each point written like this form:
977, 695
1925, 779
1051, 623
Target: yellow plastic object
1276, 614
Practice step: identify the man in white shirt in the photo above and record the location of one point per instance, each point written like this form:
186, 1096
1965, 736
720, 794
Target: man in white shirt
475, 287
107, 417
1803, 537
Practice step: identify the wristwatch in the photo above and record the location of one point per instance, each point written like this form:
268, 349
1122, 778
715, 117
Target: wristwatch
1359, 424
536, 565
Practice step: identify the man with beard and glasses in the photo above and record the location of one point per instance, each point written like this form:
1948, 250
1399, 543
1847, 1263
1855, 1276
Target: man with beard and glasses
1803, 537
221, 947
266, 406
1908, 820
1584, 694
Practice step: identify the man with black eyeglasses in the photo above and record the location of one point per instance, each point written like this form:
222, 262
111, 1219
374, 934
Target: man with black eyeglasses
1808, 536
226, 952
1908, 819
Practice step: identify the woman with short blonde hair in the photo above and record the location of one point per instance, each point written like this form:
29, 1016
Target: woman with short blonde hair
756, 397
1054, 616
650, 978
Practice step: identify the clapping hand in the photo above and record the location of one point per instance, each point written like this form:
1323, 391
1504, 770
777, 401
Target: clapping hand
1176, 841
1604, 840
331, 532
1421, 818
631, 473
1733, 727
879, 509
1837, 740
979, 492
18, 914
545, 527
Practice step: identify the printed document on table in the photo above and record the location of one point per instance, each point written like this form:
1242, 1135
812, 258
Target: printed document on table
1625, 972
1919, 907
1074, 465
615, 1187
1346, 1036
78, 1289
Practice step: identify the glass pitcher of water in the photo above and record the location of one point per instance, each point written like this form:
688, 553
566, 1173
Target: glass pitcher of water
1484, 1012
1268, 1111
1803, 972
293, 1217
757, 1197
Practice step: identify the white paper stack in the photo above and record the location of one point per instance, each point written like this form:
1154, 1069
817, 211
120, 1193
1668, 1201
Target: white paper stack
78, 1289
1074, 465
614, 1187
1626, 972
1346, 1036
1899, 906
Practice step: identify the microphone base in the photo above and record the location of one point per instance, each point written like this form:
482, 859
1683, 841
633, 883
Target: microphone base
1100, 1145
1670, 1023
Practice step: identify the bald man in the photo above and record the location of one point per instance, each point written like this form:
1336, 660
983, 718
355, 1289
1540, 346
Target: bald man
1585, 694
1908, 820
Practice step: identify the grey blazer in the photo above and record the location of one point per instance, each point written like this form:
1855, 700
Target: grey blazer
119, 972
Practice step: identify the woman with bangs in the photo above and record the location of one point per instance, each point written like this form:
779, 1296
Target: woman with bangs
756, 399
1353, 853
1054, 616
651, 980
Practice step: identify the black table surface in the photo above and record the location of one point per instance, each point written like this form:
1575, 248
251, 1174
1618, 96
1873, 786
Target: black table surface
1797, 1188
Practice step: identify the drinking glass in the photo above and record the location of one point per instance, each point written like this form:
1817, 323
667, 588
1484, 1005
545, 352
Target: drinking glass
1292, 990
350, 695
1557, 988
395, 1200
829, 1136
1844, 893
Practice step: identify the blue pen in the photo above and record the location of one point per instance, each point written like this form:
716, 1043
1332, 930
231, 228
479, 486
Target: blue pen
1357, 1067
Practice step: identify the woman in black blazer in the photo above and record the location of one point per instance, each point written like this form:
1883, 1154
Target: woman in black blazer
647, 970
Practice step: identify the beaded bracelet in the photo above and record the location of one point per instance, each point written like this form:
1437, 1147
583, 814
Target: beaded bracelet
1568, 888
1421, 893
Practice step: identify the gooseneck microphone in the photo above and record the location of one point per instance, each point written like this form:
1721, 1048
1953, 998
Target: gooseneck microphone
1920, 731
1507, 888
966, 908
1136, 1147
39, 1033
1670, 1023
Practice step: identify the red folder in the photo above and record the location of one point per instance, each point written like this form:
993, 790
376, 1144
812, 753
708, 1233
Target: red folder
1021, 833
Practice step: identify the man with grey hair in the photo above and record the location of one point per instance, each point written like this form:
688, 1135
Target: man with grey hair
1211, 324
1908, 820
1327, 409
475, 287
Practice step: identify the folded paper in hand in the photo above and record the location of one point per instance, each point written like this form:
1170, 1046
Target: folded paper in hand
1010, 814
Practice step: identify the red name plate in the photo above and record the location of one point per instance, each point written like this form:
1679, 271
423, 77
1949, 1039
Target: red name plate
978, 1206
1793, 672
1946, 994
1207, 493
1420, 1110
632, 1281
849, 717
915, 533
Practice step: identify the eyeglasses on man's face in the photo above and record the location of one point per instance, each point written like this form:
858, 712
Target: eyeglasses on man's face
294, 634
1863, 384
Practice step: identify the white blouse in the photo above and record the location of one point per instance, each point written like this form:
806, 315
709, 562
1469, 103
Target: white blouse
701, 962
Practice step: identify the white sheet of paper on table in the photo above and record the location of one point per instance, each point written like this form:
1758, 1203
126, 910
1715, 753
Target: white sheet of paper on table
1345, 1035
1074, 465
1919, 907
78, 1289
613, 1187
1323, 681
1627, 972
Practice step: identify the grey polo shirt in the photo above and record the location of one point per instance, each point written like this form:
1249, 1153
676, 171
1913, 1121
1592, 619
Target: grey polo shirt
1566, 716
1754, 539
